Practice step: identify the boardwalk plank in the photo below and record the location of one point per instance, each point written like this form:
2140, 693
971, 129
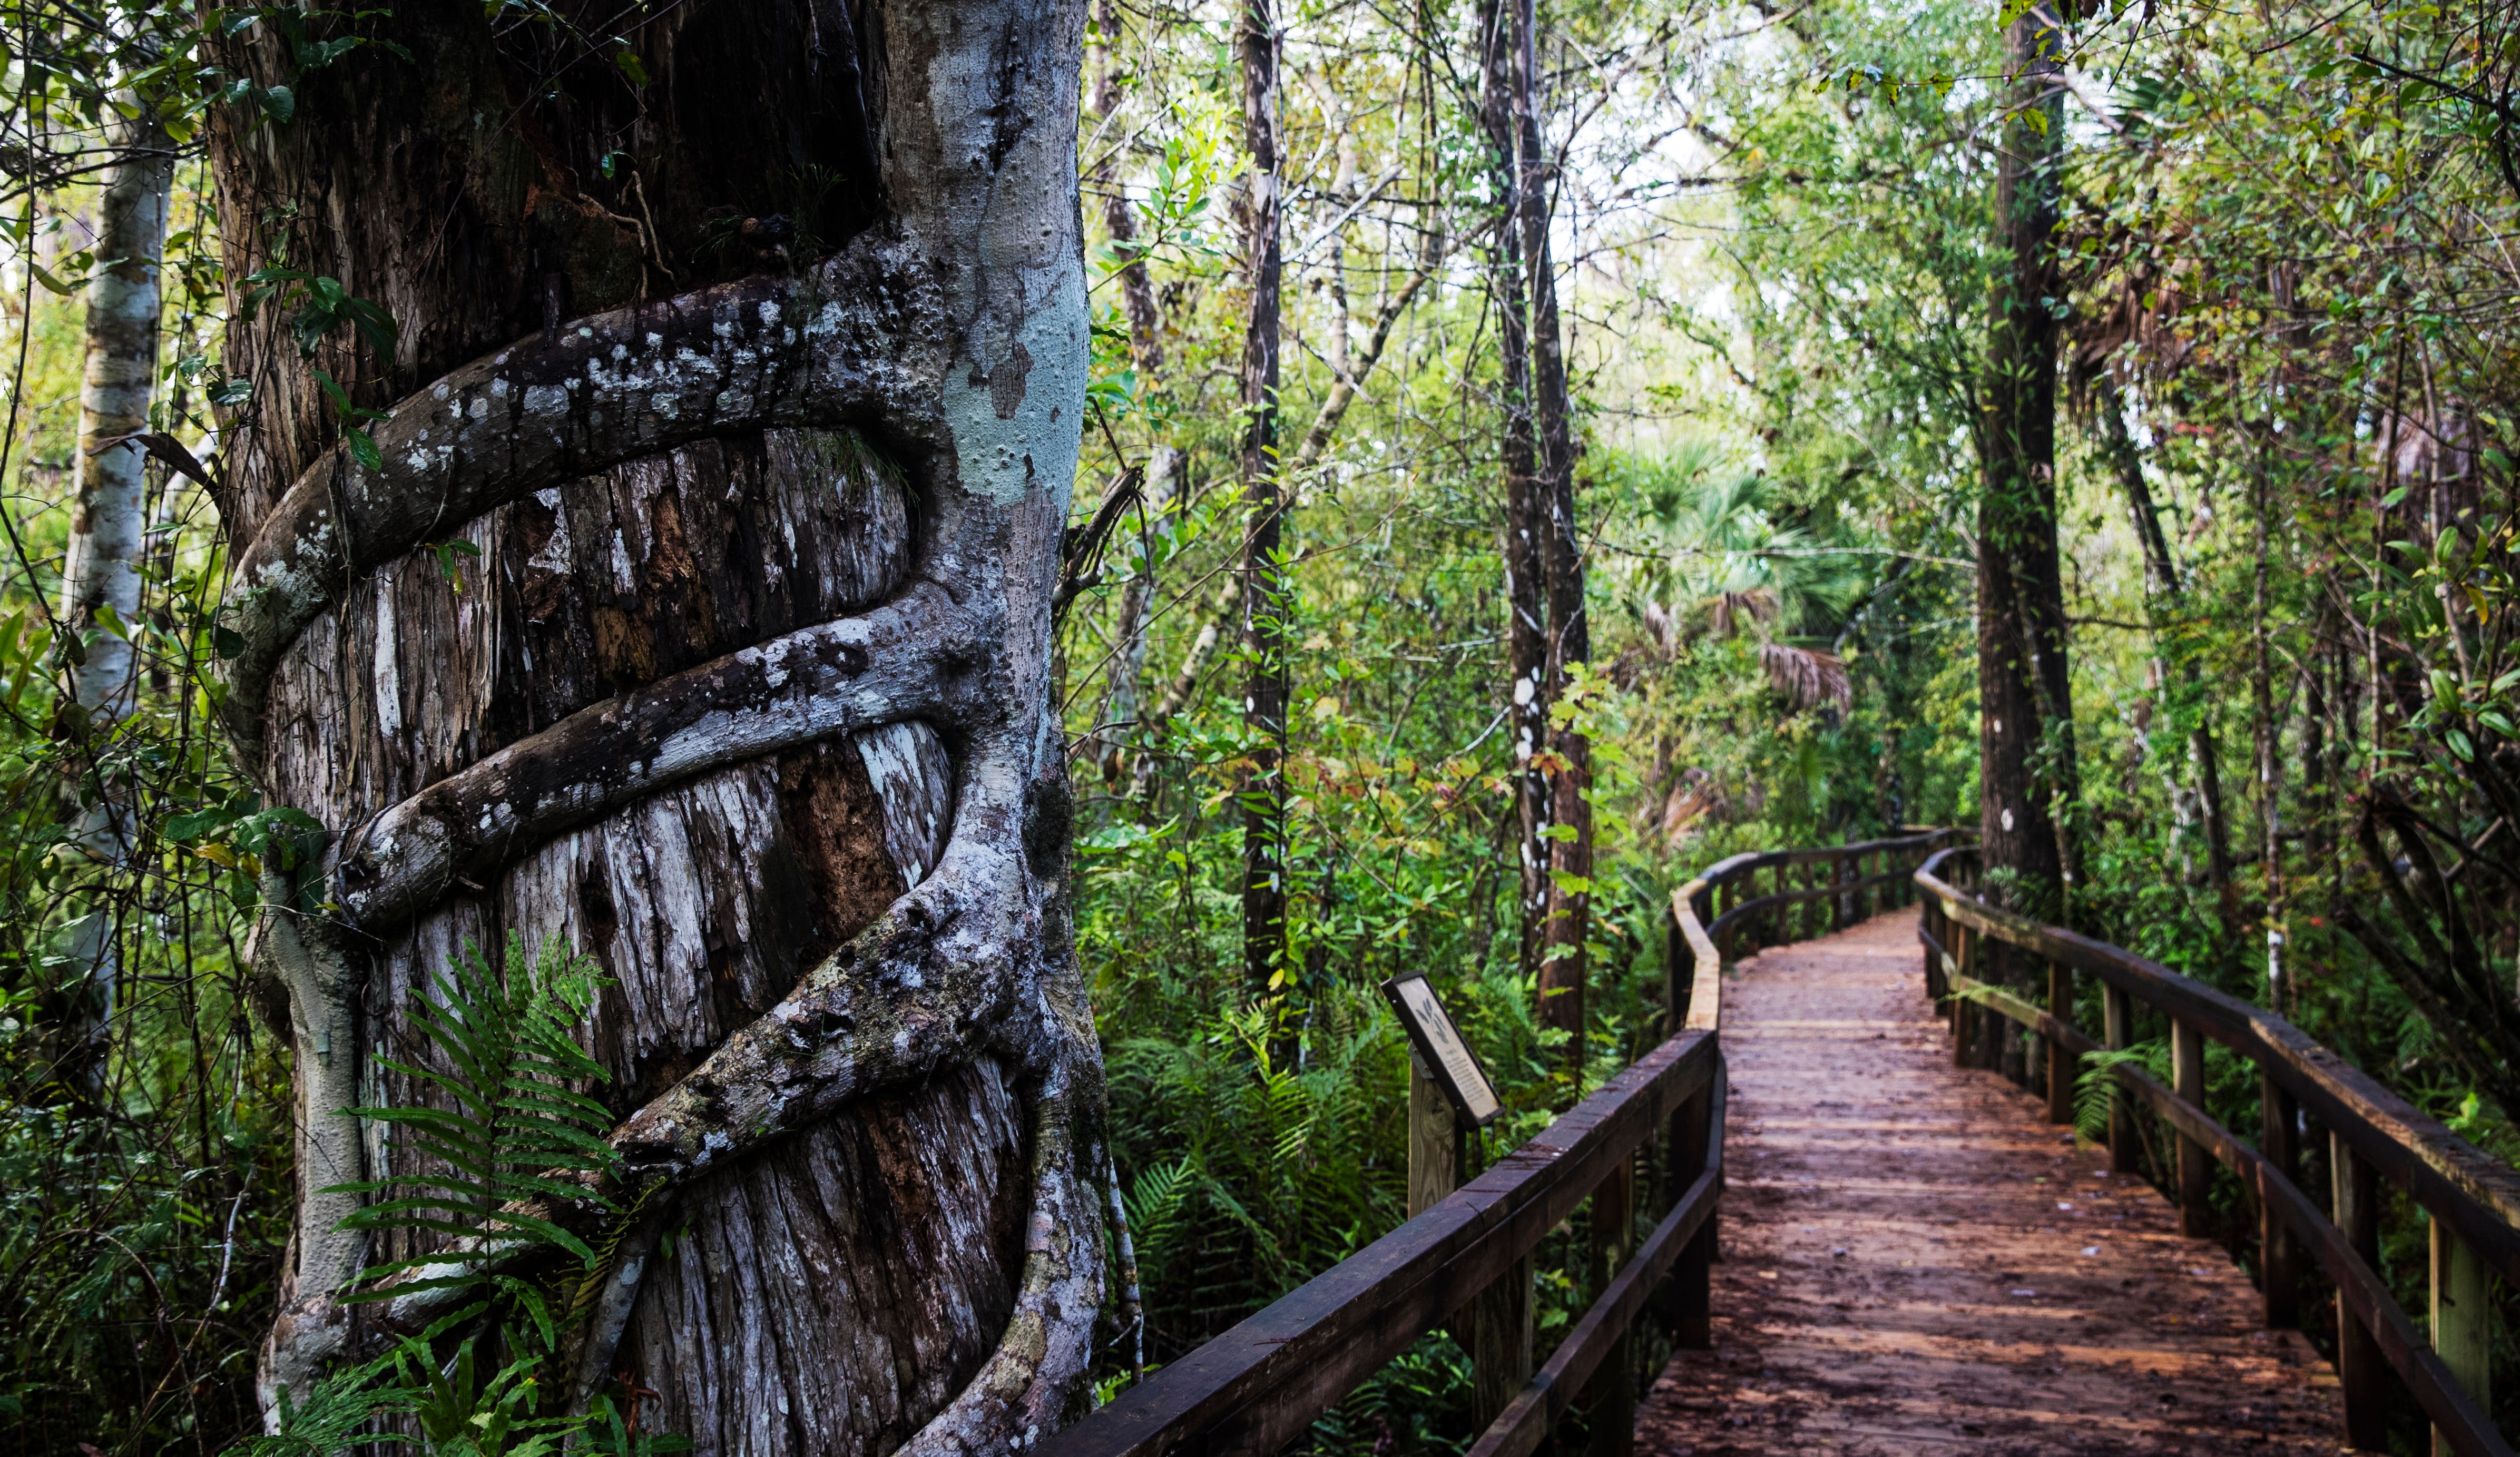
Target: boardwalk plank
1885, 1213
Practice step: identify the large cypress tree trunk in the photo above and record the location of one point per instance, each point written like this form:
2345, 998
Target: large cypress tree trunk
756, 388
2024, 699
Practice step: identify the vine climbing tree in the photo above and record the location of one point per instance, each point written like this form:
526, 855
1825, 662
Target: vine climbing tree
648, 514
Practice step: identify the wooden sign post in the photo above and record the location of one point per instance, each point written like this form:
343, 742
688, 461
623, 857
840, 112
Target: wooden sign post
1449, 1095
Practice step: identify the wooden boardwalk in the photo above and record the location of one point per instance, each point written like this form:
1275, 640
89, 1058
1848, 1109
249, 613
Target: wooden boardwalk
1914, 1261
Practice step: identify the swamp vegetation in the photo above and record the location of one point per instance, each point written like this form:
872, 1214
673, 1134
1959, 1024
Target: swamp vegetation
1529, 452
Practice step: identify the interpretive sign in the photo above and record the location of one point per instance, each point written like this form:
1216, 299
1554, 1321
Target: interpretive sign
1440, 1047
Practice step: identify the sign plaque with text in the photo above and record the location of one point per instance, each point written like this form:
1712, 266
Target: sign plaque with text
1447, 1058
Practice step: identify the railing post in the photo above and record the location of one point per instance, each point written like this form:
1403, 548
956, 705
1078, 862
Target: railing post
2061, 1063
2125, 1151
2462, 1311
1610, 1409
1964, 1012
1938, 931
1691, 1293
2360, 1369
2195, 1167
2279, 1141
1675, 947
1501, 1361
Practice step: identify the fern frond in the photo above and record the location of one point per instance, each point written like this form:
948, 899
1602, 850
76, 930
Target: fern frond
507, 1128
2097, 1091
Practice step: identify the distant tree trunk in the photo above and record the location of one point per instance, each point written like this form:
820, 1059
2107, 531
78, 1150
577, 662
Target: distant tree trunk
757, 386
1570, 638
1526, 510
2163, 592
2269, 744
101, 570
1264, 588
1123, 705
2026, 769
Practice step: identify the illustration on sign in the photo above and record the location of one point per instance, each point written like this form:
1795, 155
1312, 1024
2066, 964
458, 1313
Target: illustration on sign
1440, 1046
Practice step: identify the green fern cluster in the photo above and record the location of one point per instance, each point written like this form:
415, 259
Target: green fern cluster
2097, 1091
511, 1124
509, 1130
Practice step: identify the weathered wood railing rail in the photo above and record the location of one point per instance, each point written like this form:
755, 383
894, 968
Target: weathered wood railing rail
2473, 1202
1464, 1257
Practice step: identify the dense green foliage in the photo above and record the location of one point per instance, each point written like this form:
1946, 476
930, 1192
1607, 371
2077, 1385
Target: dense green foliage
2292, 318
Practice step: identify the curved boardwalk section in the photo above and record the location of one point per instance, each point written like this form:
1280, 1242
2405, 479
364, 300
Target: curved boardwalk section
1916, 1261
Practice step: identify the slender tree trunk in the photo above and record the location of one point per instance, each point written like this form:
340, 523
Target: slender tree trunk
2162, 596
1264, 586
1224, 613
2268, 745
1526, 511
746, 694
101, 571
1119, 219
1570, 640
2025, 703
1123, 705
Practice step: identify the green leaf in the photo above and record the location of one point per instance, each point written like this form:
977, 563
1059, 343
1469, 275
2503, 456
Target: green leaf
182, 828
363, 448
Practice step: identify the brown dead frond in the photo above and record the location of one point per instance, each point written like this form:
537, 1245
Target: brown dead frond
1694, 796
1806, 675
1732, 612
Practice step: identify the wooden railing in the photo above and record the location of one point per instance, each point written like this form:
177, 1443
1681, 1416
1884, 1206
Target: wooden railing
2471, 1200
1464, 1260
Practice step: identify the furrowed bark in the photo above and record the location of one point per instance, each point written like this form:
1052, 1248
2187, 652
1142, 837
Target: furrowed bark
743, 687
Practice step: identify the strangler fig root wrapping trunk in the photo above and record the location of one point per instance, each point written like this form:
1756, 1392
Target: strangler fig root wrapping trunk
694, 609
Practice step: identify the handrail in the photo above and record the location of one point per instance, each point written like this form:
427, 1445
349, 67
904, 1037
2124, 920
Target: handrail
1260, 1384
2473, 1200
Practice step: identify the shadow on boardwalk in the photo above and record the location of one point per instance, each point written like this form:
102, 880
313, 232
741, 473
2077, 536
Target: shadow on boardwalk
1916, 1261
